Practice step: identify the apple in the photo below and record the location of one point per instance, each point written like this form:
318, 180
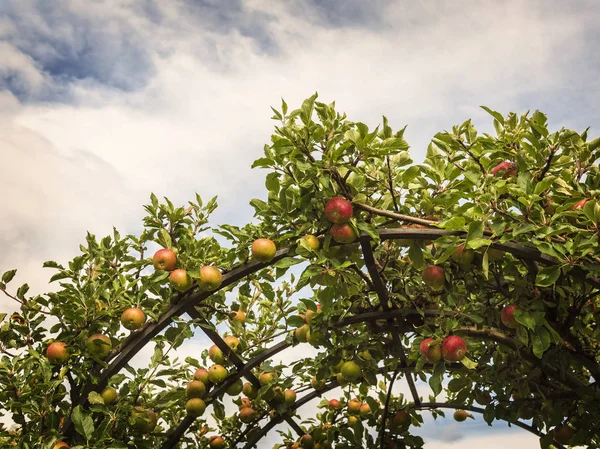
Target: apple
463, 256
266, 377
98, 345
235, 388
195, 407
210, 278
237, 316
289, 397
180, 280
133, 318
216, 442
365, 410
352, 420
245, 402
354, 406
508, 318
232, 342
433, 277
431, 352
313, 242
164, 259
351, 371
217, 374
334, 404
247, 415
57, 353
215, 354
109, 395
60, 444
454, 349
462, 415
250, 390
343, 233
317, 384
401, 419
144, 420
306, 441
301, 333
338, 210
505, 169
309, 315
263, 250
195, 389
563, 434
341, 380
201, 374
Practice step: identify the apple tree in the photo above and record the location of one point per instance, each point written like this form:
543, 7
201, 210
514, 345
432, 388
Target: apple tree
474, 277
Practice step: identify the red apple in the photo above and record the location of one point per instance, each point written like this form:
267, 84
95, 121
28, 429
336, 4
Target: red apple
401, 419
210, 278
201, 374
507, 316
563, 434
463, 256
343, 233
454, 349
164, 259
433, 277
247, 415
431, 352
505, 169
216, 442
57, 353
334, 404
354, 406
338, 210
180, 280
133, 318
263, 250
195, 389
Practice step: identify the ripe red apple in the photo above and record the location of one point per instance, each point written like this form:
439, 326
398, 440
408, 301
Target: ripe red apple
505, 169
233, 342
454, 348
144, 420
431, 352
338, 210
217, 374
247, 415
98, 345
462, 415
354, 406
201, 374
195, 407
351, 371
57, 353
235, 388
401, 419
250, 390
508, 318
266, 377
133, 318
109, 395
563, 434
463, 256
164, 259
306, 441
334, 404
215, 354
180, 280
245, 403
195, 389
238, 316
579, 204
263, 250
433, 277
216, 442
210, 278
343, 233
289, 397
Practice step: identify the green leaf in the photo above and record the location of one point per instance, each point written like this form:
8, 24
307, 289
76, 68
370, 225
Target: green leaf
494, 114
286, 262
468, 363
95, 398
272, 182
8, 276
84, 425
540, 341
547, 276
475, 230
415, 254
164, 238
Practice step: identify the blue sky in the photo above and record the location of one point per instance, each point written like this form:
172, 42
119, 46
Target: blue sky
103, 102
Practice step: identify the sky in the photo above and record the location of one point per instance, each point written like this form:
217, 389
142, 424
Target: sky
103, 102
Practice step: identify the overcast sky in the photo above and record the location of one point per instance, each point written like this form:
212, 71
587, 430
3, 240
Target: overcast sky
103, 102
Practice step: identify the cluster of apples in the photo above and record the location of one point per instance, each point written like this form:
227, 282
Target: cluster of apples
339, 211
302, 333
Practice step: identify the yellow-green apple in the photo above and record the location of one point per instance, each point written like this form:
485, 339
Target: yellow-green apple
354, 406
195, 407
352, 420
343, 233
233, 342
289, 396
462, 415
57, 353
317, 384
433, 277
143, 420
351, 371
250, 390
235, 388
263, 250
215, 354
301, 333
266, 377
195, 389
238, 316
430, 350
133, 318
341, 380
109, 395
463, 256
338, 210
508, 316
98, 346
454, 348
164, 259
217, 374
180, 280
210, 278
312, 241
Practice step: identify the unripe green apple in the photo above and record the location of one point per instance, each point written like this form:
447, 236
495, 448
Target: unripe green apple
235, 388
143, 420
250, 390
98, 346
109, 395
351, 371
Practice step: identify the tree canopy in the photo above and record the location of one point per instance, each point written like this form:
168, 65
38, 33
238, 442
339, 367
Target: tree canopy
476, 271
